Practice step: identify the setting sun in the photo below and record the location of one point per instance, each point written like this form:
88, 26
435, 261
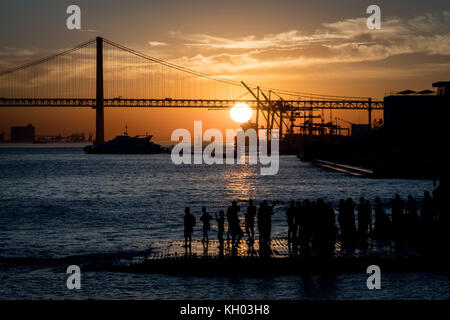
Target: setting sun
241, 112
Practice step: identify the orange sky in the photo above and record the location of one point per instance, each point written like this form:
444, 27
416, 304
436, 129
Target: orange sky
322, 47
160, 123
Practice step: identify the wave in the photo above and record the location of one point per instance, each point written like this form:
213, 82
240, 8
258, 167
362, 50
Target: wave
87, 262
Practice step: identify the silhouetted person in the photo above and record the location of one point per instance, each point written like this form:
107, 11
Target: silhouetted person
220, 227
428, 217
250, 219
303, 220
265, 213
382, 223
290, 216
350, 217
317, 224
412, 220
189, 223
341, 216
331, 229
397, 217
331, 220
369, 215
427, 211
297, 219
229, 222
347, 219
313, 224
234, 224
261, 222
325, 229
364, 217
441, 196
206, 218
412, 207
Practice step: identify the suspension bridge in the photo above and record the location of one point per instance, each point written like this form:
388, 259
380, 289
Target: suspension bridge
100, 73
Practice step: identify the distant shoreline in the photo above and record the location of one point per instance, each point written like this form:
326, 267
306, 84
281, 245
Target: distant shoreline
51, 144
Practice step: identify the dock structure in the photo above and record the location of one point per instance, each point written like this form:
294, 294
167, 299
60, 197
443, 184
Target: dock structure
339, 167
208, 259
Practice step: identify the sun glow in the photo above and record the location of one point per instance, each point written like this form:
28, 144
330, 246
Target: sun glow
241, 112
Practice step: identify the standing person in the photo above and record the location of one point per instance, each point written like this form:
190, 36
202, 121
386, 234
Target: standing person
261, 221
398, 206
412, 220
250, 219
412, 206
320, 226
189, 223
349, 218
428, 217
269, 220
364, 217
360, 209
331, 228
234, 224
206, 218
298, 215
229, 223
341, 217
220, 227
427, 210
304, 225
326, 229
382, 223
290, 216
265, 213
369, 216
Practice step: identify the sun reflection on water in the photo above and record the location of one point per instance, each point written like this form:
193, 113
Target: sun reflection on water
240, 182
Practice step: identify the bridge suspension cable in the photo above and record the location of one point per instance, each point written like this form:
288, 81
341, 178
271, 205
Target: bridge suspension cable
156, 83
49, 58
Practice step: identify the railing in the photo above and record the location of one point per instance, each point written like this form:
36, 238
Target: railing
287, 105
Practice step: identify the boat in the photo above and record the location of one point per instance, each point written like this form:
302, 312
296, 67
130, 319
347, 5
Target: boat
125, 144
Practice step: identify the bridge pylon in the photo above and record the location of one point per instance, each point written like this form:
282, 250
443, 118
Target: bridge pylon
99, 112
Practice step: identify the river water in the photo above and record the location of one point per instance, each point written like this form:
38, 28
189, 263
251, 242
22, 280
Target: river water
59, 206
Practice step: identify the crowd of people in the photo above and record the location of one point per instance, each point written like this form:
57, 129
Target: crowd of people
312, 224
263, 216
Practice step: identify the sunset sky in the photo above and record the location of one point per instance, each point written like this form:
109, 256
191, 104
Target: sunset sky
322, 47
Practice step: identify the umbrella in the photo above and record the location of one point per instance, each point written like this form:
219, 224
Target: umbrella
406, 92
425, 92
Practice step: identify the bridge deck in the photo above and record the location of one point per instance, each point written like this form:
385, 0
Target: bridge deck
289, 105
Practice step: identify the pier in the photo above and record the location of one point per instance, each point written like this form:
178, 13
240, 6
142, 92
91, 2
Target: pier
351, 170
171, 257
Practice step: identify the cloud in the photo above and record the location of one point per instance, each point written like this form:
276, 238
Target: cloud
287, 39
16, 52
341, 42
419, 46
157, 44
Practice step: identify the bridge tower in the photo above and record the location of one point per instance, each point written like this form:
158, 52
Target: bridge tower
99, 114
